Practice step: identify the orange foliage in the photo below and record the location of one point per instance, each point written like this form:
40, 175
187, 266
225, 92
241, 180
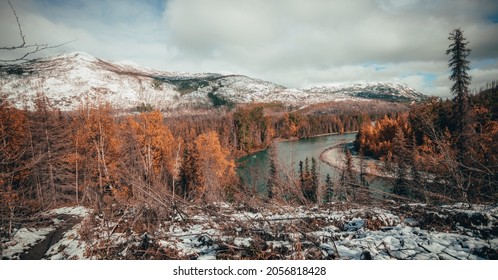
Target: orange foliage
13, 137
156, 143
13, 133
376, 139
216, 170
97, 146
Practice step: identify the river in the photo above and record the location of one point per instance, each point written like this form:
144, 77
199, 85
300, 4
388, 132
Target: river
253, 168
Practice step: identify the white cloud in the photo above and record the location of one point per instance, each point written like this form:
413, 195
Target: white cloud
291, 42
297, 43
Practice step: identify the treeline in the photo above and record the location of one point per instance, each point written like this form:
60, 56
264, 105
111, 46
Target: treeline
424, 150
254, 127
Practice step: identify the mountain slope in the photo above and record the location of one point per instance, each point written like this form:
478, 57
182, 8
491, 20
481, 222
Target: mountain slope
69, 80
383, 91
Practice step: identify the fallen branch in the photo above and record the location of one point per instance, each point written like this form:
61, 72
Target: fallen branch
117, 223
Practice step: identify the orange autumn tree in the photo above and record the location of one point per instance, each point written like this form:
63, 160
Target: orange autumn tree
377, 139
13, 135
215, 169
153, 150
13, 167
97, 148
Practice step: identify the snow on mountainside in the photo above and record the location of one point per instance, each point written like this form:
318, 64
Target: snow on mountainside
386, 91
71, 79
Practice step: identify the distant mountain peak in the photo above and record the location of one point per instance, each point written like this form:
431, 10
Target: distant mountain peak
77, 55
72, 78
388, 91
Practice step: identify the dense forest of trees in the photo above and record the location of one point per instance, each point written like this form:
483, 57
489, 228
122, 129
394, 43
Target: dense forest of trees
254, 127
51, 158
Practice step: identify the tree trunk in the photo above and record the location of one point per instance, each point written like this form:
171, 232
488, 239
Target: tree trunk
50, 169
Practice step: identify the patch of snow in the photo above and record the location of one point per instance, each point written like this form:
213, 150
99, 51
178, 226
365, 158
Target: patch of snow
70, 247
74, 211
24, 239
344, 233
354, 225
241, 241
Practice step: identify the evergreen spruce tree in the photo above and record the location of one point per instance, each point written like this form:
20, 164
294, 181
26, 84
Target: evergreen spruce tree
329, 188
459, 65
349, 176
401, 154
309, 179
306, 170
462, 118
273, 179
416, 178
189, 173
314, 180
306, 179
301, 174
363, 179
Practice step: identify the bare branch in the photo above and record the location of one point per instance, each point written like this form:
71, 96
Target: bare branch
38, 48
30, 48
23, 39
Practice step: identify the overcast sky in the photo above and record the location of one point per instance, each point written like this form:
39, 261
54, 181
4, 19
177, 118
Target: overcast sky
295, 43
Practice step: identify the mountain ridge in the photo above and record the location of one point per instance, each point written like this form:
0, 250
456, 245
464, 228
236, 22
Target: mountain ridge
71, 79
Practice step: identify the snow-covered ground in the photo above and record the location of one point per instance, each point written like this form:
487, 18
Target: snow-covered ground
23, 239
223, 231
318, 233
28, 239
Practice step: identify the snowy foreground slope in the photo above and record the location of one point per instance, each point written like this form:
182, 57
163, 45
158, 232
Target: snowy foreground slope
337, 231
71, 79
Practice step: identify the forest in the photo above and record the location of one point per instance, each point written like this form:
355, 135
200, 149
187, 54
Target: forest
52, 158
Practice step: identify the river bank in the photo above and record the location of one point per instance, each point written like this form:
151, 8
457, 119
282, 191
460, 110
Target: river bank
335, 157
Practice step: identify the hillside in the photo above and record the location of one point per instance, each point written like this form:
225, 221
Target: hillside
70, 79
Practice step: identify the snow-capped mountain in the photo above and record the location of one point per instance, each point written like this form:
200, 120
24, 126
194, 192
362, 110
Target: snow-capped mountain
69, 80
385, 91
